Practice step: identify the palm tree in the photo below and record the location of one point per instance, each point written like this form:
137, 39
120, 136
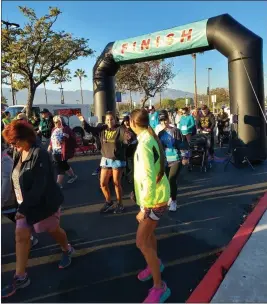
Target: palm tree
80, 74
60, 76
45, 89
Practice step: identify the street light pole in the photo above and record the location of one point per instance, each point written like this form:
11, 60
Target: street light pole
209, 69
62, 94
11, 25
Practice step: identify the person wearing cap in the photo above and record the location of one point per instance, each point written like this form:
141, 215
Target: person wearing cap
206, 122
21, 116
46, 126
170, 139
153, 117
187, 124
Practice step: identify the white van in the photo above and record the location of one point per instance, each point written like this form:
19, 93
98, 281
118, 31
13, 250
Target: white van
68, 111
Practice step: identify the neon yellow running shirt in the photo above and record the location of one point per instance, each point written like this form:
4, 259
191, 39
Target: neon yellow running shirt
146, 168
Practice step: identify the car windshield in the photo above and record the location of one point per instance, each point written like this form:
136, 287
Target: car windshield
14, 111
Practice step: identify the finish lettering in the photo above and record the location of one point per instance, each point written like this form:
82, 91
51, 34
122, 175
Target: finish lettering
124, 47
145, 44
185, 35
170, 39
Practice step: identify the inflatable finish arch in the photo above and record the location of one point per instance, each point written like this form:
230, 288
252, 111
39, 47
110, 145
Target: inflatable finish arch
223, 33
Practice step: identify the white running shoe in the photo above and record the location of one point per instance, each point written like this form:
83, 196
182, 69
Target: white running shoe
173, 206
72, 179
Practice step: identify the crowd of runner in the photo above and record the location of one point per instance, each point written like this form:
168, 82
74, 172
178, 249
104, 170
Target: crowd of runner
149, 146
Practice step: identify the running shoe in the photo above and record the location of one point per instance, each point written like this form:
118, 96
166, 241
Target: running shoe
96, 172
107, 207
66, 258
158, 295
72, 179
119, 209
18, 283
146, 275
34, 241
173, 206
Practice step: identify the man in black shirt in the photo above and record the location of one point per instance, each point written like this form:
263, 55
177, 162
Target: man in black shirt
206, 122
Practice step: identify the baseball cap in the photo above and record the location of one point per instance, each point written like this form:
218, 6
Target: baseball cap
44, 111
163, 115
21, 116
204, 107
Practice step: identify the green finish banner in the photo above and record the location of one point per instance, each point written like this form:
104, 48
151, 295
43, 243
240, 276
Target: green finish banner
180, 38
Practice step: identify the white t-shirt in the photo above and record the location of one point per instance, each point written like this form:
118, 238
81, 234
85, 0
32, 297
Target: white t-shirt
159, 128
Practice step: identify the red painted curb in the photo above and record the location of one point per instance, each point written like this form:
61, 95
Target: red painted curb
206, 289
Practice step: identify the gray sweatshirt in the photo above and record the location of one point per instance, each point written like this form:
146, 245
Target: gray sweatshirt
7, 165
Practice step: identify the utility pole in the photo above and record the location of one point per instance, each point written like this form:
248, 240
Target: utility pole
8, 26
194, 56
208, 91
62, 94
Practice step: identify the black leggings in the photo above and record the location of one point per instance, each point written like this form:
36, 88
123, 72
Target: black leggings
172, 174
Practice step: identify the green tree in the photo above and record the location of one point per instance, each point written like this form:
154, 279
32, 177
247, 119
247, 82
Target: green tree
222, 96
4, 100
60, 76
36, 51
148, 78
80, 74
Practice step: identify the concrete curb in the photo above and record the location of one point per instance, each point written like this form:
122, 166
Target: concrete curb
207, 288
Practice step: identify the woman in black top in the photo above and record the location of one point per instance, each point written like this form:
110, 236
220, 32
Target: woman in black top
39, 199
113, 140
130, 149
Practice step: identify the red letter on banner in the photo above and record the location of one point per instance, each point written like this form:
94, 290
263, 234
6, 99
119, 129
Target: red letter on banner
134, 45
145, 44
170, 38
157, 41
124, 47
186, 35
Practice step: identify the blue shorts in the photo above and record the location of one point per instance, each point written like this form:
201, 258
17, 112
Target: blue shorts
107, 163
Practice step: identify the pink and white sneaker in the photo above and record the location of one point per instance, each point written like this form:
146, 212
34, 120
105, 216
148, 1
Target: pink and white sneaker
146, 275
158, 295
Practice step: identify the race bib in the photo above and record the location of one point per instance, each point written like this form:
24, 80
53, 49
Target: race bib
184, 128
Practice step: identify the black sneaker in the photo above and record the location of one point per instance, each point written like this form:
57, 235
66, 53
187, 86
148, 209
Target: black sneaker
66, 258
11, 289
107, 207
119, 209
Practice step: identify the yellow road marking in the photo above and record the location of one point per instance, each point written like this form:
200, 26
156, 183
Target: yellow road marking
84, 251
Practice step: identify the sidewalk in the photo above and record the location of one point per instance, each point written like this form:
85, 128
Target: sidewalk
240, 272
246, 281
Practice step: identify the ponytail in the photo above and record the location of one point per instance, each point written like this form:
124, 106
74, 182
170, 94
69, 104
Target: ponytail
161, 152
141, 119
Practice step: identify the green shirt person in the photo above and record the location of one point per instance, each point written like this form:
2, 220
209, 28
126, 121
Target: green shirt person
7, 119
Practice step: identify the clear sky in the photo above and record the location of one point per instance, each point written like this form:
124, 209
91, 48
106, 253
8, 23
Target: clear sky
106, 21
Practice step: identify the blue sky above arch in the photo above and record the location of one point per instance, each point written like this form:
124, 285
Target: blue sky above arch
105, 21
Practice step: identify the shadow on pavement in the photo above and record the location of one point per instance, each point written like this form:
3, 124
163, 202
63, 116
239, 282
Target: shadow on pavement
212, 206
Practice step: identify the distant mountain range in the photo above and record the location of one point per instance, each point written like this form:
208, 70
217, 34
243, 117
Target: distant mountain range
72, 97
